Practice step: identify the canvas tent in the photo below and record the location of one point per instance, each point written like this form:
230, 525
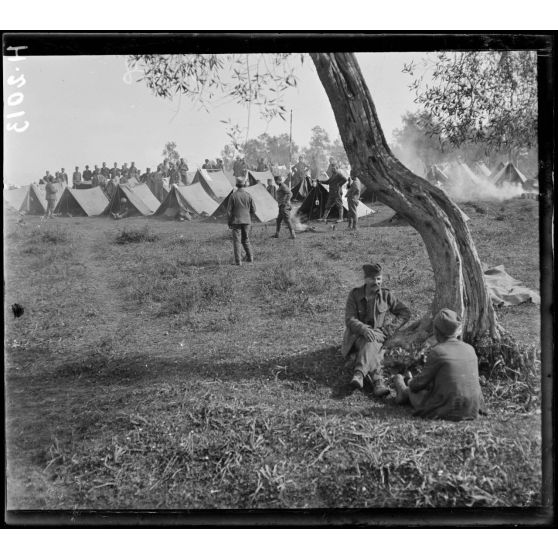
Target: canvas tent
435, 174
266, 206
140, 198
313, 207
460, 174
81, 203
215, 183
509, 173
261, 177
481, 169
192, 200
496, 169
16, 197
302, 189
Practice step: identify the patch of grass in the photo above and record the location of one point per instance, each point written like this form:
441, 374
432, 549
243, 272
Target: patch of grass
144, 234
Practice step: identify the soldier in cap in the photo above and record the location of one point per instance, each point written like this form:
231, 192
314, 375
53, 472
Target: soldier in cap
448, 386
366, 330
284, 196
76, 177
87, 174
115, 171
239, 208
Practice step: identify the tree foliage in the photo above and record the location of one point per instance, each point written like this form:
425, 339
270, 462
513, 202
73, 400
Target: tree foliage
258, 80
170, 152
478, 97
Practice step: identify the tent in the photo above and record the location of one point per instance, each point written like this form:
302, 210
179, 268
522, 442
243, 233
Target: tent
189, 175
261, 177
435, 174
481, 169
16, 197
266, 206
313, 207
509, 173
35, 203
215, 183
81, 203
192, 199
496, 169
142, 201
302, 189
461, 175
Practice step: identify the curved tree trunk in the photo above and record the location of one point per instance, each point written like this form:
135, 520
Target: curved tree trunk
457, 269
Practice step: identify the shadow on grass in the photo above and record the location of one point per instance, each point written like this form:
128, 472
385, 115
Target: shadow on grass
309, 371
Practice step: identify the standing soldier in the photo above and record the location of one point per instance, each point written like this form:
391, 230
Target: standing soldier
48, 177
87, 174
124, 170
183, 170
330, 169
366, 331
239, 208
272, 188
284, 196
132, 171
353, 198
334, 198
105, 171
114, 172
51, 192
174, 175
63, 175
76, 178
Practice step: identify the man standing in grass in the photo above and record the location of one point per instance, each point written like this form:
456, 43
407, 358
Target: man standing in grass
448, 387
51, 191
239, 208
284, 196
334, 197
353, 199
366, 333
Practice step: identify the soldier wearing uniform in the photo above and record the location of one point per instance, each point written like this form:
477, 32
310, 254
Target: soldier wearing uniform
330, 169
365, 332
76, 177
239, 208
51, 192
48, 177
448, 386
115, 171
284, 196
334, 198
353, 198
87, 174
105, 171
63, 175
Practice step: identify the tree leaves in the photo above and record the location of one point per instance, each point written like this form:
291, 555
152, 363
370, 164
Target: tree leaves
488, 97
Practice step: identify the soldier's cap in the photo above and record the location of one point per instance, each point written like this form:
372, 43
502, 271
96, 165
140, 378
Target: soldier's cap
447, 322
371, 270
239, 181
278, 177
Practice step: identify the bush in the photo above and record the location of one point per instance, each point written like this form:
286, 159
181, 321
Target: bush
136, 235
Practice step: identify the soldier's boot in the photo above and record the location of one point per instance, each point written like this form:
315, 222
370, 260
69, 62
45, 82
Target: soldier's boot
249, 255
292, 231
401, 390
358, 380
277, 229
379, 387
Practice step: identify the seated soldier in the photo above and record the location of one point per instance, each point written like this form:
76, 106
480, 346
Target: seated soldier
123, 211
366, 332
448, 387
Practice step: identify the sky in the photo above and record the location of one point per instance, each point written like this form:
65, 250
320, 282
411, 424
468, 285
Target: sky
89, 109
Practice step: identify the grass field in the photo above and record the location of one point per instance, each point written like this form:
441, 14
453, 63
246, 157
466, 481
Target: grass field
149, 372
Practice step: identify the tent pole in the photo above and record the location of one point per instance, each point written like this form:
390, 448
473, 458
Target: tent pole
290, 141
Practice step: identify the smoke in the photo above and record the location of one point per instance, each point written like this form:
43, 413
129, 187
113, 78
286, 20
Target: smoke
462, 184
462, 189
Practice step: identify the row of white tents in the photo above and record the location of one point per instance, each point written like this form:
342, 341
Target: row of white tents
206, 196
